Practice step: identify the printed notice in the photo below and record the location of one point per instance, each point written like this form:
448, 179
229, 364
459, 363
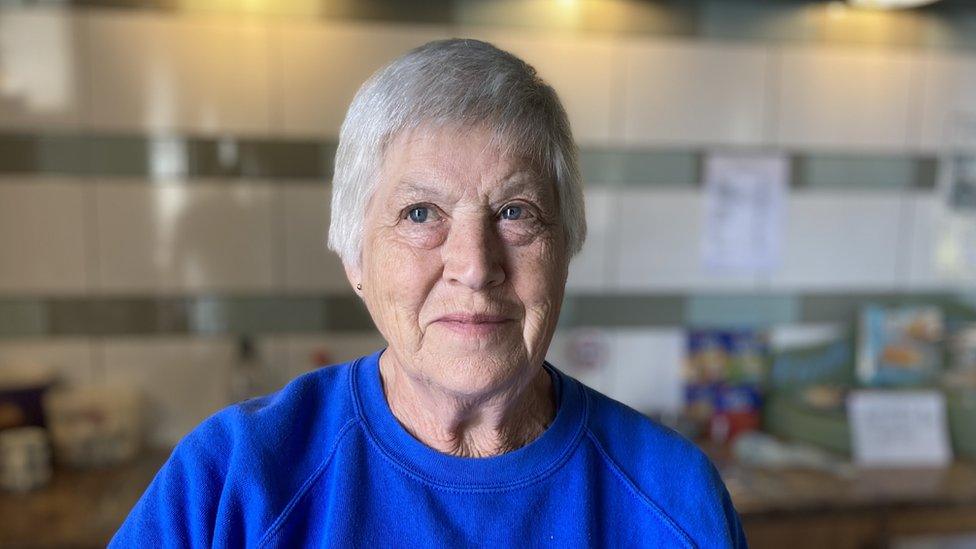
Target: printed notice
899, 428
744, 198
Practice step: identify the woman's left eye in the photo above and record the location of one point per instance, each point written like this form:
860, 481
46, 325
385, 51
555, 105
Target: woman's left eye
512, 212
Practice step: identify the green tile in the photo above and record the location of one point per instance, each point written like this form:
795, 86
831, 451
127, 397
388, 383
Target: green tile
621, 310
23, 317
346, 314
861, 172
845, 308
54, 153
215, 315
73, 316
288, 159
926, 173
223, 314
132, 156
721, 311
643, 167
132, 316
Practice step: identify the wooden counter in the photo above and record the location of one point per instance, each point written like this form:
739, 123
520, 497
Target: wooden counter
864, 508
779, 508
79, 508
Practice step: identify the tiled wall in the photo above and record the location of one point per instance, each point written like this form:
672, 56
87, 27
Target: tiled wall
150, 224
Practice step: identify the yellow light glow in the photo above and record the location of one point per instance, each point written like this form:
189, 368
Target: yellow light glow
889, 4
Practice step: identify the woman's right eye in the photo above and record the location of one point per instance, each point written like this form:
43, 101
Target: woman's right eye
419, 214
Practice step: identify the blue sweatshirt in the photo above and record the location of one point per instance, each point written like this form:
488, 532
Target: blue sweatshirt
324, 462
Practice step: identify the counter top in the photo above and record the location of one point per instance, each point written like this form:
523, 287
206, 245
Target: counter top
79, 508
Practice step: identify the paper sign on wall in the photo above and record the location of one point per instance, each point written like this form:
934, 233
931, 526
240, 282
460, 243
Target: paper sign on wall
899, 428
744, 198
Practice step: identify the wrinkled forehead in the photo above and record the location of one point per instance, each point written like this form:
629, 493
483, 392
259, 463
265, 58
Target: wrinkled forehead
430, 152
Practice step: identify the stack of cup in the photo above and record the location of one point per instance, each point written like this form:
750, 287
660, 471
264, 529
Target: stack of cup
25, 459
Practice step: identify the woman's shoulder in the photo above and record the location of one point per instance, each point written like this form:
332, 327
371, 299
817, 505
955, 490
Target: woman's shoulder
668, 471
630, 435
271, 445
313, 406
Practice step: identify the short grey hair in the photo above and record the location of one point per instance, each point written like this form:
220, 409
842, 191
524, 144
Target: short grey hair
456, 81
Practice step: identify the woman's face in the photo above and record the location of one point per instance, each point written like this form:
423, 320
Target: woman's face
464, 262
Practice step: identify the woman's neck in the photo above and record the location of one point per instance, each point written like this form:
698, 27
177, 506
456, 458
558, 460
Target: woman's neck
482, 426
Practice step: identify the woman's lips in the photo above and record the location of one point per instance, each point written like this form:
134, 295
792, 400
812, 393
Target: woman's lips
473, 324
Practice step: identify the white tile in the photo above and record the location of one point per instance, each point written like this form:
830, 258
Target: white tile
323, 64
926, 213
841, 241
584, 71
948, 101
645, 369
43, 79
69, 358
306, 352
197, 73
43, 245
584, 354
935, 260
184, 380
590, 270
682, 92
185, 236
309, 264
272, 351
660, 241
837, 98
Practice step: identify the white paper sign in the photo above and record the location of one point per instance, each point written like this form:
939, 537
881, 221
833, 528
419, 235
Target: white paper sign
744, 212
899, 428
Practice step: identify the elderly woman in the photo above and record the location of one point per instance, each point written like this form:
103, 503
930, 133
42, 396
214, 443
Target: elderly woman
456, 208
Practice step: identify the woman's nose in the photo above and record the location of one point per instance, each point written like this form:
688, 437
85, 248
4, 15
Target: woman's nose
474, 254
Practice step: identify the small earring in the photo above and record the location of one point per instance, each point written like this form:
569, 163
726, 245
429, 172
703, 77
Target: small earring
359, 286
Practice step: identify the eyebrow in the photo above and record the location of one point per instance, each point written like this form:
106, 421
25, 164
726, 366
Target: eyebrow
517, 182
413, 189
